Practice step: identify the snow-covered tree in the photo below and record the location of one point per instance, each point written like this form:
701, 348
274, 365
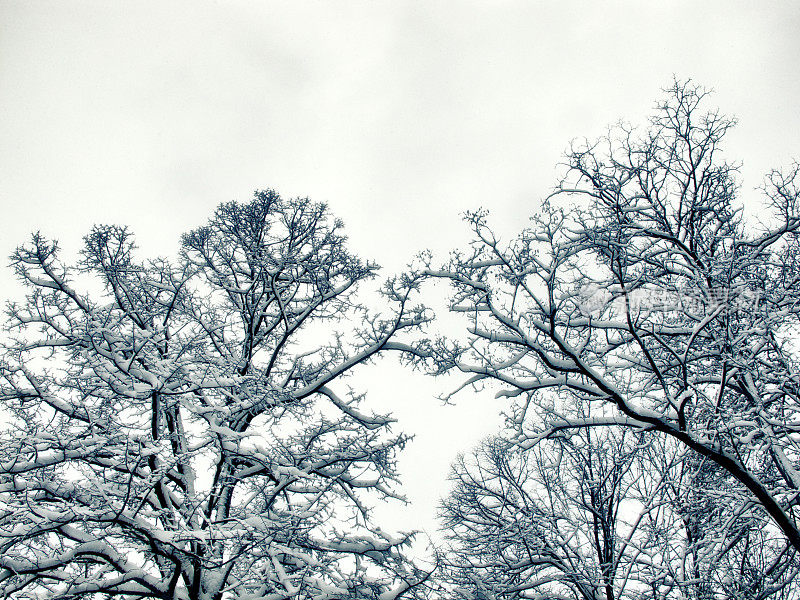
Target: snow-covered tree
641, 287
183, 429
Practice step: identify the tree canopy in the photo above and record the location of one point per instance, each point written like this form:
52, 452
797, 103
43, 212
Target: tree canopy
182, 430
640, 290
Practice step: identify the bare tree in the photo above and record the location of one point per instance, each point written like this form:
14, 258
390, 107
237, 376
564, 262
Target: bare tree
585, 516
183, 430
562, 520
640, 287
712, 539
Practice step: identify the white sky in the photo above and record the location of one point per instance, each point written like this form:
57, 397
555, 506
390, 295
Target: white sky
400, 115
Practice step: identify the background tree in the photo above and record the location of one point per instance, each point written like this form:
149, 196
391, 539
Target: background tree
562, 520
640, 287
585, 515
717, 547
183, 431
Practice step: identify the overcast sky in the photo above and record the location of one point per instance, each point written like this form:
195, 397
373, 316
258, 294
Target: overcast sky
400, 115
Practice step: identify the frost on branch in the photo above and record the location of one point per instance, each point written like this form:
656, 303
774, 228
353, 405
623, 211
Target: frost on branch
183, 432
641, 288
